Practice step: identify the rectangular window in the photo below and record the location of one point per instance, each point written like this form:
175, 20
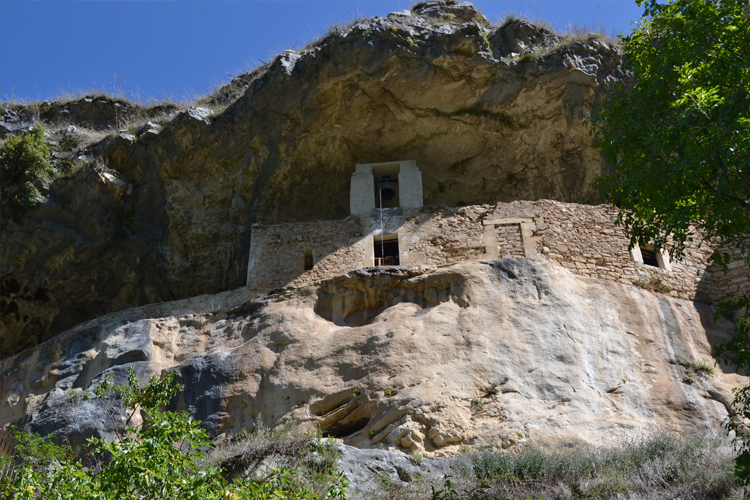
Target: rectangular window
386, 249
649, 257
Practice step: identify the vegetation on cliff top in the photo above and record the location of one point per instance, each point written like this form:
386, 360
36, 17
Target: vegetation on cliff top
138, 112
24, 161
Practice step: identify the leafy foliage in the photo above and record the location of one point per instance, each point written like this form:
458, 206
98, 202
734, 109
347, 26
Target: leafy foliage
156, 460
23, 160
681, 135
681, 140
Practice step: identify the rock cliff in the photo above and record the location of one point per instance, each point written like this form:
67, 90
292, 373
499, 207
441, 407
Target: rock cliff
489, 114
480, 354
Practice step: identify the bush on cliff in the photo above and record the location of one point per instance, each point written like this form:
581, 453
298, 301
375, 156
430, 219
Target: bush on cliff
158, 459
23, 160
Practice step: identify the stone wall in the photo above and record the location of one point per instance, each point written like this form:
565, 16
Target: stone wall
509, 242
278, 252
427, 237
585, 240
581, 238
719, 283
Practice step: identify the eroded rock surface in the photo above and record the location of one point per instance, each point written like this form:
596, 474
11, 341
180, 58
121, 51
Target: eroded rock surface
488, 113
480, 354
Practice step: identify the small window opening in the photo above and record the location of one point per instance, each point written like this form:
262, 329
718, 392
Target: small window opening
308, 259
386, 185
386, 250
649, 257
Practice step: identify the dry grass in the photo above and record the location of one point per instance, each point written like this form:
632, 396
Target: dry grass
662, 466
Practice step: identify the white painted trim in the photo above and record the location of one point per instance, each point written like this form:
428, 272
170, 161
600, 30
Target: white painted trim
662, 258
635, 253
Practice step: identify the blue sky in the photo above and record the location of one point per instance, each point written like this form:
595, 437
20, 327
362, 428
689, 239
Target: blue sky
155, 49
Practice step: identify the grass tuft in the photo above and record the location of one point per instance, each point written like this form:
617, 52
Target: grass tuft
703, 366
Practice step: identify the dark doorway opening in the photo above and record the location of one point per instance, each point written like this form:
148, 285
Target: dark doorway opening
308, 259
649, 257
386, 250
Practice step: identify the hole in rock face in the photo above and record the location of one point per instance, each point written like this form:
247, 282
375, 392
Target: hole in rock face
341, 431
332, 402
10, 308
347, 419
308, 259
356, 300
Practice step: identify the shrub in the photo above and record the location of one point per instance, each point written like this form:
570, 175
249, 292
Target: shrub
157, 459
247, 454
23, 160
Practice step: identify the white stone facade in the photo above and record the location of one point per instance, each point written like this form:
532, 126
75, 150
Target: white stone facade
362, 195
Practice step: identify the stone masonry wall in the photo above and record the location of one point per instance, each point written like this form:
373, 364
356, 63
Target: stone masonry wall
509, 242
585, 240
278, 252
719, 283
581, 238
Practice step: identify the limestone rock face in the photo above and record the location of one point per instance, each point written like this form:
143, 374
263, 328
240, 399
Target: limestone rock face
489, 353
488, 113
91, 248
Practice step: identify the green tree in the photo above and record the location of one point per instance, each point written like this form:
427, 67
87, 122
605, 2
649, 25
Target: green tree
23, 160
157, 459
680, 137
